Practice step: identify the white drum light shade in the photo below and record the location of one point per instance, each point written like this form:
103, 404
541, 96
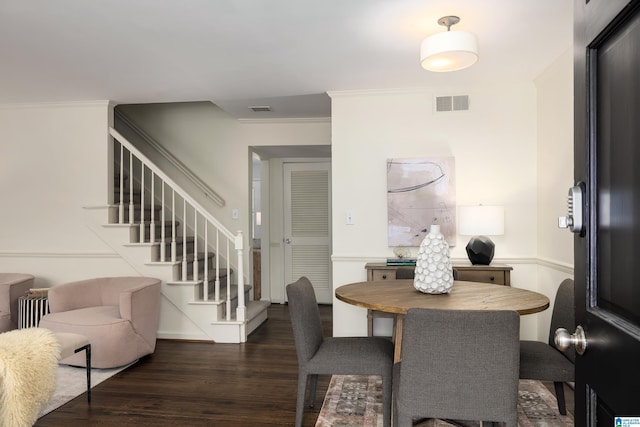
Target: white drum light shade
481, 220
449, 51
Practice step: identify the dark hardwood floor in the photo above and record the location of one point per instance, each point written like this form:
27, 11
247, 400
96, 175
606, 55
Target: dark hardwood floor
203, 384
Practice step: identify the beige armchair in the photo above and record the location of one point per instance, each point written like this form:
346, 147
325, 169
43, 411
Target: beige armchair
12, 286
119, 316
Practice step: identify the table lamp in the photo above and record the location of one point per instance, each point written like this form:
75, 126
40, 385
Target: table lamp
480, 221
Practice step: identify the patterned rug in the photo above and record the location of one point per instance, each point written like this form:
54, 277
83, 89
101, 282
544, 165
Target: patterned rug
356, 401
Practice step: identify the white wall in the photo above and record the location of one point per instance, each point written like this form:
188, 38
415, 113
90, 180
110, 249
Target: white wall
494, 145
555, 158
555, 176
54, 161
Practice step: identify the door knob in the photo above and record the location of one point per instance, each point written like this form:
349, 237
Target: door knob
287, 241
564, 340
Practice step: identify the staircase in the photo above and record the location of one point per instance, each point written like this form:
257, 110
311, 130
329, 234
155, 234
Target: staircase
162, 232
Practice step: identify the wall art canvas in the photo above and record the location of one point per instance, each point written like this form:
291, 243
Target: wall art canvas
420, 192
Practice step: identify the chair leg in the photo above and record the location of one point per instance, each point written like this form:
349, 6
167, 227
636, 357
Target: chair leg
312, 389
302, 387
559, 386
87, 349
394, 393
88, 363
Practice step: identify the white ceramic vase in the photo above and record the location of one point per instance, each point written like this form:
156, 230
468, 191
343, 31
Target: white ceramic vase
433, 274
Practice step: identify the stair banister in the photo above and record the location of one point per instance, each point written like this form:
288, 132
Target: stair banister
205, 280
152, 229
184, 242
228, 286
163, 236
241, 310
121, 183
196, 270
174, 243
217, 284
142, 228
171, 183
132, 209
237, 239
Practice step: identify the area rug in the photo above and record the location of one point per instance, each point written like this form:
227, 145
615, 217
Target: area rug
356, 401
72, 382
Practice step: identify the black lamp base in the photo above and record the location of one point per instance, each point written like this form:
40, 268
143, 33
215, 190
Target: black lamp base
480, 250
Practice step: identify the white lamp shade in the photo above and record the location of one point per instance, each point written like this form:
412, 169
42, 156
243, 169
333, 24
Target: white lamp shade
449, 51
481, 220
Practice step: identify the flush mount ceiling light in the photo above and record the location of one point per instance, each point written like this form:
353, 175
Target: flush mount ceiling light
450, 50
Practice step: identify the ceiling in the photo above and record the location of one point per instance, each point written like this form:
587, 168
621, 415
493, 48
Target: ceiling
239, 53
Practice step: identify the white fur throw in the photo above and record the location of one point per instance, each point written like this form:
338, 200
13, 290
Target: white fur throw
28, 369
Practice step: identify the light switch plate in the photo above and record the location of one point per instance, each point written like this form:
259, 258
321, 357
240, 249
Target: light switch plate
349, 219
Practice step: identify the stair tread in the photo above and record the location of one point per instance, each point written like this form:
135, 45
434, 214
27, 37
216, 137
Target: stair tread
179, 239
199, 282
223, 273
191, 256
223, 292
252, 309
166, 223
137, 205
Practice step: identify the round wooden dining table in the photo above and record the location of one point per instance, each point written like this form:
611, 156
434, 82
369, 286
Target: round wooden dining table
398, 296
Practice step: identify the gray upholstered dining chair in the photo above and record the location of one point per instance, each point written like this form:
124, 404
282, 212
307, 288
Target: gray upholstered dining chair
543, 361
460, 365
333, 355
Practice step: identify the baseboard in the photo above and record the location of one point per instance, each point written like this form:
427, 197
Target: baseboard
177, 336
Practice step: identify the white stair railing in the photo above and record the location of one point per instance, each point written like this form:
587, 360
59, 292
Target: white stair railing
158, 191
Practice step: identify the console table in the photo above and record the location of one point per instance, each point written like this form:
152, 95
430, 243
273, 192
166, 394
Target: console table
499, 274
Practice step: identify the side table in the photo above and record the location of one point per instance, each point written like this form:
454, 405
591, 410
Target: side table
31, 310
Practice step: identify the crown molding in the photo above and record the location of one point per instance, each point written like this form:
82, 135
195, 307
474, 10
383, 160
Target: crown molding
284, 120
70, 104
378, 92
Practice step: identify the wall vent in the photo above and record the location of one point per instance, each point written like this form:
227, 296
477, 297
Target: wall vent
260, 108
452, 103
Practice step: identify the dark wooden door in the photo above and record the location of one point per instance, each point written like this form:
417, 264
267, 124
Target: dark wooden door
607, 255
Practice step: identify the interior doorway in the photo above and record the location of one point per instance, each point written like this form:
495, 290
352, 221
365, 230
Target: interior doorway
269, 243
256, 224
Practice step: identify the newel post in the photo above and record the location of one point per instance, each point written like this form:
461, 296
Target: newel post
241, 310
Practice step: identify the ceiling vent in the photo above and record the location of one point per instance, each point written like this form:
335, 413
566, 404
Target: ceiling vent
452, 103
260, 108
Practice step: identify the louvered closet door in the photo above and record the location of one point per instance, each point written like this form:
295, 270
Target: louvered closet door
307, 226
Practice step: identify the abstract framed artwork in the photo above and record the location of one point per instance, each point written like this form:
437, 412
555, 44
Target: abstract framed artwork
420, 192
